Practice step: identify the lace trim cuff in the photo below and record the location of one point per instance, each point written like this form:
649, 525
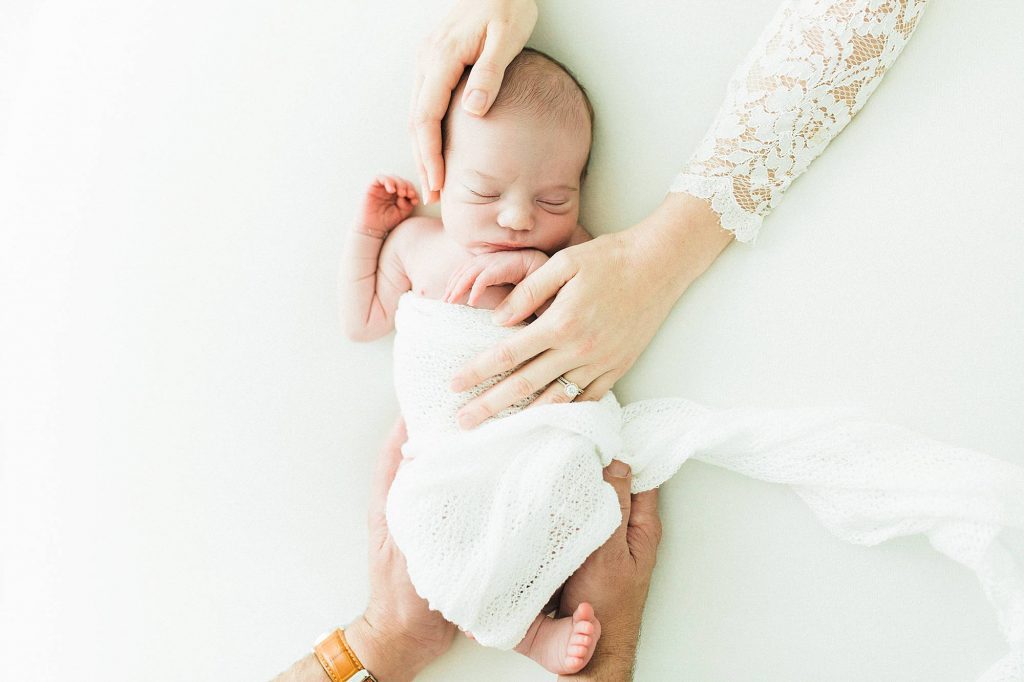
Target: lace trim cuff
717, 190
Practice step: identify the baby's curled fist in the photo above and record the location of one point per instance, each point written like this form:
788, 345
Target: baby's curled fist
492, 269
389, 200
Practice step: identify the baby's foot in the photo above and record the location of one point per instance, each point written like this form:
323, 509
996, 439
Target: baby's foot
563, 645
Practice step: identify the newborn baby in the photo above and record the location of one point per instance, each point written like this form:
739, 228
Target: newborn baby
511, 199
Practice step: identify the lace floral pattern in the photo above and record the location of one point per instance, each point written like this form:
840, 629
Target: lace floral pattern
814, 66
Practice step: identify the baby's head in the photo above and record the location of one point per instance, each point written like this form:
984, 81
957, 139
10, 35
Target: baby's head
513, 177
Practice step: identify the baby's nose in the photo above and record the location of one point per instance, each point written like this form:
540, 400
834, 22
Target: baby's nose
516, 218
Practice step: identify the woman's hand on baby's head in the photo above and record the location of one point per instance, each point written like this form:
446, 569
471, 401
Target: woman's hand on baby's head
484, 34
389, 200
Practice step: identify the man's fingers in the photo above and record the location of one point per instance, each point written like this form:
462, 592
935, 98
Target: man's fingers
486, 75
620, 477
533, 291
644, 533
387, 467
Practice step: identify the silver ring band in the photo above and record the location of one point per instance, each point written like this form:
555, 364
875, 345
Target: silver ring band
572, 390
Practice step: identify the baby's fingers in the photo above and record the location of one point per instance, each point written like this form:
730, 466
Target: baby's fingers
408, 190
483, 280
387, 182
464, 283
451, 282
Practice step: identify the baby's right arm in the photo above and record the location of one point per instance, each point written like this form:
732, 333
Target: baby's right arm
372, 276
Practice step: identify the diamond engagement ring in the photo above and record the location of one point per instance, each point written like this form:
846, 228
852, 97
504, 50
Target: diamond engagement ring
571, 389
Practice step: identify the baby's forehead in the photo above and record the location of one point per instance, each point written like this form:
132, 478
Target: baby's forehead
536, 90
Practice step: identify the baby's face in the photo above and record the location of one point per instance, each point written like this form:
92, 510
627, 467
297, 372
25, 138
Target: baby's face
512, 182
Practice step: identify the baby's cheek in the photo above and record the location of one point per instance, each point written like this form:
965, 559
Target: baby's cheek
558, 229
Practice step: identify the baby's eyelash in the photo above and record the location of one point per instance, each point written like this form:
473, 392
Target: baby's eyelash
554, 203
483, 196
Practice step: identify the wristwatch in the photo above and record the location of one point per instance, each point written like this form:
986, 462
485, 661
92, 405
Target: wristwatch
338, 660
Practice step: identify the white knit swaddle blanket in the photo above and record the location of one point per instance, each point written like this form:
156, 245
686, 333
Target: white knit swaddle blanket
492, 521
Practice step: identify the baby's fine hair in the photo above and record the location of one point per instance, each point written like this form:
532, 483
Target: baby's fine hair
538, 85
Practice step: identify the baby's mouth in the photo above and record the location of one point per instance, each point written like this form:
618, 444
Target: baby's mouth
504, 246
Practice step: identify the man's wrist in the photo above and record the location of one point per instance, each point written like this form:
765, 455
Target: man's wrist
389, 655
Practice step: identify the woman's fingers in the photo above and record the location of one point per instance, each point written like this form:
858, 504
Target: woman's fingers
523, 382
506, 355
596, 389
533, 291
414, 135
555, 392
486, 75
439, 79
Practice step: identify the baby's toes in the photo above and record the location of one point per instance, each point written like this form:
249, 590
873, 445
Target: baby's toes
583, 627
579, 639
575, 659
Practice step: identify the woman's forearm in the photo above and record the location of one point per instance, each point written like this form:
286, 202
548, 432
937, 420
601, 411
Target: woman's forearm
811, 70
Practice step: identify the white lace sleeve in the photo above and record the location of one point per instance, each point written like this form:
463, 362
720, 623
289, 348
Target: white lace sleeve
811, 70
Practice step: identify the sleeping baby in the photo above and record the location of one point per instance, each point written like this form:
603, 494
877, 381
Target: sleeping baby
511, 200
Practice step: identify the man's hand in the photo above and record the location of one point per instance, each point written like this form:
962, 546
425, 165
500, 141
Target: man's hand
486, 34
615, 580
398, 634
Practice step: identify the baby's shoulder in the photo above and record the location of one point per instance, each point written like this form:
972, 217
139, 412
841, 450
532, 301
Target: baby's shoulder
411, 240
416, 230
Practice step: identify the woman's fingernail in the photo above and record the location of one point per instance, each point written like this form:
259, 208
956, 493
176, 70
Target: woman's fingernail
618, 469
456, 385
466, 421
475, 102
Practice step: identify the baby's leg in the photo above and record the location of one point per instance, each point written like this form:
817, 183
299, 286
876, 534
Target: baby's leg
563, 645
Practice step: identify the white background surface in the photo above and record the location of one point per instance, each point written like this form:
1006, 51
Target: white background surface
186, 436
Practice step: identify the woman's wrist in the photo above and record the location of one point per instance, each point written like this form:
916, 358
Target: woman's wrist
681, 238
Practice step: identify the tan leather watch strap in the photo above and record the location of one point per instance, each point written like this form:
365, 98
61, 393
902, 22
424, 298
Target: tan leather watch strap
338, 660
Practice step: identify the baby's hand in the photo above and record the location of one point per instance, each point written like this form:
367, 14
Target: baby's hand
491, 269
389, 200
